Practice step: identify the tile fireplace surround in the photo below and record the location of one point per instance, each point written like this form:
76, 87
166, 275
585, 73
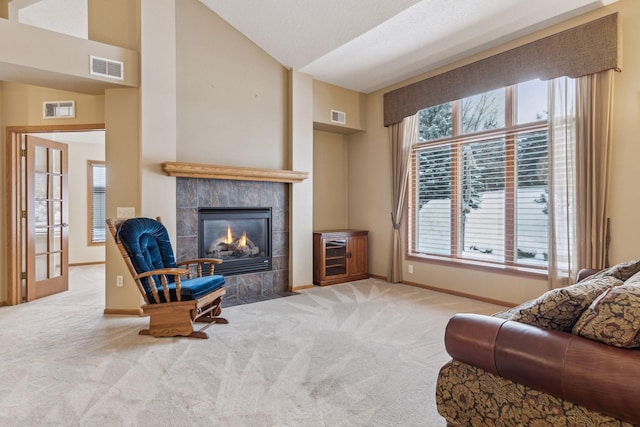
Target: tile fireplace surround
192, 193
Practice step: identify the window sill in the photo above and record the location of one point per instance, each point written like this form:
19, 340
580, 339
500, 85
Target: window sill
532, 272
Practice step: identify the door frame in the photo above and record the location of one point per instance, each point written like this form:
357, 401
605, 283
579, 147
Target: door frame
13, 163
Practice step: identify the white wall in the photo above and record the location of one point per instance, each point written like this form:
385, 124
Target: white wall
231, 95
301, 202
3, 184
158, 110
79, 250
62, 16
330, 180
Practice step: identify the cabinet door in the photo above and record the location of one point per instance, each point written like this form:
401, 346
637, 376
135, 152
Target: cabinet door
335, 258
357, 259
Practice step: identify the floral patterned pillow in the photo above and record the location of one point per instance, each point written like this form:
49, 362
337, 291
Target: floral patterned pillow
622, 271
559, 309
614, 317
635, 279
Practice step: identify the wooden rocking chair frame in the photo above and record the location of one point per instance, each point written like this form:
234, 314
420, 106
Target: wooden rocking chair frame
174, 318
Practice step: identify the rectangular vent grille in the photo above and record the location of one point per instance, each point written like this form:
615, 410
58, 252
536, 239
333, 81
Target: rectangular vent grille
338, 117
107, 68
58, 109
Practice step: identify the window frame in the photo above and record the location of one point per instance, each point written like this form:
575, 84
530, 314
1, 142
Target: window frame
509, 133
90, 211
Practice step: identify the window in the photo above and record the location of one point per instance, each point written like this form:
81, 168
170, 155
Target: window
479, 187
96, 202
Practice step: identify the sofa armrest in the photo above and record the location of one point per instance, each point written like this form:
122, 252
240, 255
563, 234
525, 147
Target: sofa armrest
584, 273
471, 338
588, 373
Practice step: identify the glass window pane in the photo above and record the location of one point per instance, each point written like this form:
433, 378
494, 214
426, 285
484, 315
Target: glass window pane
55, 264
42, 240
40, 184
435, 122
483, 112
98, 203
99, 175
480, 192
531, 103
56, 161
531, 199
42, 265
41, 213
57, 238
433, 231
41, 164
57, 213
482, 200
56, 184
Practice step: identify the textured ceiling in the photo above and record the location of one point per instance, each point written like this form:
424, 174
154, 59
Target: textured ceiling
366, 45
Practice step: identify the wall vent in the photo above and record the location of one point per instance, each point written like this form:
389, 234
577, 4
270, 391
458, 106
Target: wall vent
106, 67
338, 116
58, 109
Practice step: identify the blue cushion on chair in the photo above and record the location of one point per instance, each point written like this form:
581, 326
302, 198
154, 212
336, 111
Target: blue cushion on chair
191, 289
147, 243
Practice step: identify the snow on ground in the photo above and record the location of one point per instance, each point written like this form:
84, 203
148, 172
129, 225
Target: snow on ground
484, 230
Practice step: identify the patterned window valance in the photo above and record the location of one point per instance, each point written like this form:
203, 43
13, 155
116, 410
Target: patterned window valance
579, 51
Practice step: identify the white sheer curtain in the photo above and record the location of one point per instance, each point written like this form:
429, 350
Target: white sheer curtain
579, 156
403, 136
562, 259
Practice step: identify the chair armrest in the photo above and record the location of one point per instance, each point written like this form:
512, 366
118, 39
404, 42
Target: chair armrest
199, 262
160, 271
202, 260
163, 272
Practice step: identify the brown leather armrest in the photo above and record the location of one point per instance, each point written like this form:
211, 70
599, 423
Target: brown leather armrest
532, 356
604, 378
584, 273
471, 338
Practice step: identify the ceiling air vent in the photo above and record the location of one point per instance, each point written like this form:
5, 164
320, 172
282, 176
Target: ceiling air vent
58, 109
106, 68
338, 117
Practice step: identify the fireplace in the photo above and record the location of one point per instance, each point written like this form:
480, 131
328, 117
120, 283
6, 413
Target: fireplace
240, 236
193, 194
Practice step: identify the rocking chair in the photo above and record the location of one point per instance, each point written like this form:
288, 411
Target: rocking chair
172, 302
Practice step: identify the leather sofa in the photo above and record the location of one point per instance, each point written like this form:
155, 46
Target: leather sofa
510, 373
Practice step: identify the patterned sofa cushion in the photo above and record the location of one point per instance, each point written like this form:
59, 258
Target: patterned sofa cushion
614, 317
622, 271
469, 396
559, 309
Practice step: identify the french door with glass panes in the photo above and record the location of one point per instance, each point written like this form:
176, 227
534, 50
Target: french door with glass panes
47, 213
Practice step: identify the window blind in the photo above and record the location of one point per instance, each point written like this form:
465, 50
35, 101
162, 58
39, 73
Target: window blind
479, 179
98, 203
482, 199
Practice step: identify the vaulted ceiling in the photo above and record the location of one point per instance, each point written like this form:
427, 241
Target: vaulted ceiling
366, 45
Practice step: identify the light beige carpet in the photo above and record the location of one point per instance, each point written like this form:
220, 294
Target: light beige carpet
364, 353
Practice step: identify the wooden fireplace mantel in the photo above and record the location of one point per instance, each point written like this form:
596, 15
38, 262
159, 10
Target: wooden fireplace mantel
196, 170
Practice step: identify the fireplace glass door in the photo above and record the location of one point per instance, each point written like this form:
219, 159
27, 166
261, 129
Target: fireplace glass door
240, 237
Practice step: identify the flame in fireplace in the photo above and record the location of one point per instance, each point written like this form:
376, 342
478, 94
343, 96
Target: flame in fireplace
242, 242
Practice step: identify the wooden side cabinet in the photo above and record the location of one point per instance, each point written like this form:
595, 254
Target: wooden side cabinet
340, 256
